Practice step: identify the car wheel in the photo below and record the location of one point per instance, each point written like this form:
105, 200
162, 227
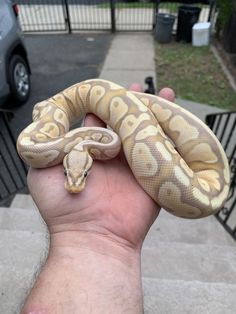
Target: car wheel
19, 79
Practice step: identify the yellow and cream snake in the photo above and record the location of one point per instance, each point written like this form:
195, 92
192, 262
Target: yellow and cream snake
173, 155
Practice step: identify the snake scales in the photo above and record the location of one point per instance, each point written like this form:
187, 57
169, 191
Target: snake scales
173, 155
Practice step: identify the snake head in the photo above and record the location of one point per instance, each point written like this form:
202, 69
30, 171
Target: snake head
77, 165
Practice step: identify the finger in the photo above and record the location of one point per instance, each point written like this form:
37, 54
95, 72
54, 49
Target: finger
136, 87
167, 93
92, 120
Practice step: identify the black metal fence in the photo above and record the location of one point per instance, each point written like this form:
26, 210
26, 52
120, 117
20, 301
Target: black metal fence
224, 126
111, 15
12, 169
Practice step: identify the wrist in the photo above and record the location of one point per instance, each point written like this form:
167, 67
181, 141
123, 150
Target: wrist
72, 244
88, 273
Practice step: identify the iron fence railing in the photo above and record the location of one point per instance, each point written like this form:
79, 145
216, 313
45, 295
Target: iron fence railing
224, 126
43, 15
110, 15
12, 169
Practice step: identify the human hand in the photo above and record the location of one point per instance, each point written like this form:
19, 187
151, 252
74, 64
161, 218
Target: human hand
112, 205
96, 238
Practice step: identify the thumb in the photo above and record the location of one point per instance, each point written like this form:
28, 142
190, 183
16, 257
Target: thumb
92, 120
167, 93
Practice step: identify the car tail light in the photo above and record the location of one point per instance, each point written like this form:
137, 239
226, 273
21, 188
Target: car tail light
15, 9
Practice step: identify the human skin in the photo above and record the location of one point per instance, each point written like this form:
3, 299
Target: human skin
96, 236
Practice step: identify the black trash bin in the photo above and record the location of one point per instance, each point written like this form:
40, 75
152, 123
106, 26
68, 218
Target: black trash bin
163, 28
187, 16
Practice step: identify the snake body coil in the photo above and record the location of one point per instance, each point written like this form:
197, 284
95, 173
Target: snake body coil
173, 155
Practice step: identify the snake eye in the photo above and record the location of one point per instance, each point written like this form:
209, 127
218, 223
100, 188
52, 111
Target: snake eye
85, 174
65, 173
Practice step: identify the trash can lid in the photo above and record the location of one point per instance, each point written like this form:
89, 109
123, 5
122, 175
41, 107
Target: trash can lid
165, 16
203, 25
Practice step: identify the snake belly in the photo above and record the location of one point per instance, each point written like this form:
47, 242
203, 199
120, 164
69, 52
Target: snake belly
173, 155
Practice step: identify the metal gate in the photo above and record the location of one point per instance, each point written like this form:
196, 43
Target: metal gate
12, 169
224, 126
74, 15
98, 15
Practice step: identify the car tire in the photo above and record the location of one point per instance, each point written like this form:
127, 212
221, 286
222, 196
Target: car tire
19, 79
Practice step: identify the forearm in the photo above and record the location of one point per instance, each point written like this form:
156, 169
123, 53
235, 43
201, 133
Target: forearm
93, 274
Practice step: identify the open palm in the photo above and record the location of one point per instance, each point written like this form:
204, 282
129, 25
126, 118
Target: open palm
112, 204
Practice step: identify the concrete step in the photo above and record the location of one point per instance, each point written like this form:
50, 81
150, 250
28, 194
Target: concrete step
22, 249
166, 228
181, 261
179, 274
14, 289
22, 220
22, 254
24, 201
172, 283
169, 228
164, 296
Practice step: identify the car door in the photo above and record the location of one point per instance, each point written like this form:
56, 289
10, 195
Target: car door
6, 25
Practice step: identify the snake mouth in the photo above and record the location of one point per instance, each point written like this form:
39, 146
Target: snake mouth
73, 189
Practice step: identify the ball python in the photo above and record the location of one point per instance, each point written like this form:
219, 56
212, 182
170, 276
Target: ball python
173, 155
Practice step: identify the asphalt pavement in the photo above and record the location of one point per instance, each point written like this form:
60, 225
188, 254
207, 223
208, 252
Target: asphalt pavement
58, 61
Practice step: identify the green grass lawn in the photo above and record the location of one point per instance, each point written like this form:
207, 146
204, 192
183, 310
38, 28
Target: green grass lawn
169, 6
126, 5
194, 74
173, 7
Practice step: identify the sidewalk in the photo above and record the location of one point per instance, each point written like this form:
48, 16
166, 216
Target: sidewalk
131, 58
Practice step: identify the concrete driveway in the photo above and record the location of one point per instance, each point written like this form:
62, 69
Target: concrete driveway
58, 61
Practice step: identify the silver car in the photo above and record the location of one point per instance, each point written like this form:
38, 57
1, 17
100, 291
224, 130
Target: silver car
14, 64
